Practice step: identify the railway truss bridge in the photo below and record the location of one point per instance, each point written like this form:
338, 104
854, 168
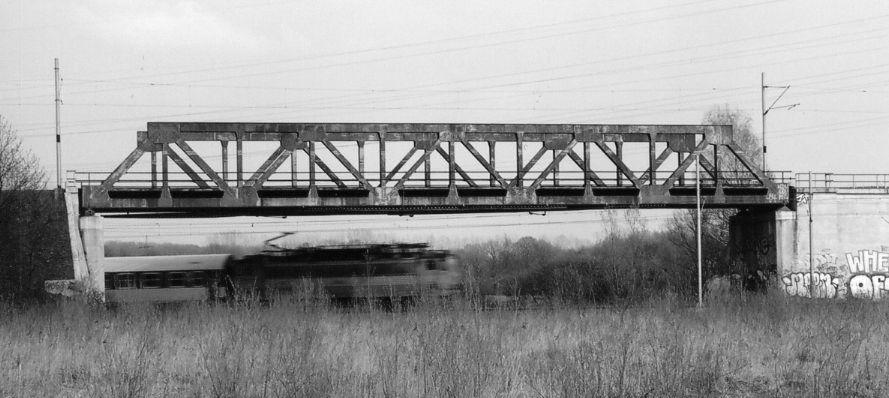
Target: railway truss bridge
218, 169
280, 169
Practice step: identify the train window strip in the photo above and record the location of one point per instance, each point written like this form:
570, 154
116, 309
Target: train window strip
150, 280
157, 279
196, 278
176, 279
355, 269
126, 280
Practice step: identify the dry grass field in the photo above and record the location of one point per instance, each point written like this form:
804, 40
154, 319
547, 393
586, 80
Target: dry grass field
763, 346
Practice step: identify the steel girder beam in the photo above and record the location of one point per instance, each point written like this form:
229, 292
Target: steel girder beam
343, 184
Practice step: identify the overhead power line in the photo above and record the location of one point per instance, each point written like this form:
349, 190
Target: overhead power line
226, 108
401, 46
477, 46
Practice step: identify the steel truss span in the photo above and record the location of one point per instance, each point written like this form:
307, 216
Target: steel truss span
413, 168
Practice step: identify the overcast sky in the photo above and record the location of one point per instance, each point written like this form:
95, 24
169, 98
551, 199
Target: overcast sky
125, 63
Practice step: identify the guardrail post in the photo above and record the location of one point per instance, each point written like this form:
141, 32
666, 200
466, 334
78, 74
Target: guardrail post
678, 164
165, 180
383, 170
153, 170
294, 177
586, 165
452, 159
312, 160
361, 158
716, 176
239, 160
619, 149
492, 158
427, 169
224, 144
520, 162
555, 169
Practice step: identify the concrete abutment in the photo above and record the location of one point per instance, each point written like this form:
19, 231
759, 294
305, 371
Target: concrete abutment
842, 253
763, 241
849, 252
86, 239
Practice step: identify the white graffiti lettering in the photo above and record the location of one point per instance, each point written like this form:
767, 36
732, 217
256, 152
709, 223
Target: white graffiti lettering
868, 287
799, 283
868, 261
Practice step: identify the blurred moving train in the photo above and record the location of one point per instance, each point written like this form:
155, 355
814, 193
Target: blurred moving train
390, 271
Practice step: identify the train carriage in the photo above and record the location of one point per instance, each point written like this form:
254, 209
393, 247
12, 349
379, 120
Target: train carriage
393, 271
164, 278
390, 271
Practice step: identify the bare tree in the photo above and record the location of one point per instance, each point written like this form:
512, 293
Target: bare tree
715, 222
20, 169
34, 244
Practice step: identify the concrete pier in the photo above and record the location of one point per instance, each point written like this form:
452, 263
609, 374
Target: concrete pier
92, 236
764, 241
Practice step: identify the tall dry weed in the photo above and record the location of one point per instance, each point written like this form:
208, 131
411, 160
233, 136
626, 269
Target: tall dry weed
753, 346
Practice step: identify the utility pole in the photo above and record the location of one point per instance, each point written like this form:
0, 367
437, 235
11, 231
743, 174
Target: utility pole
762, 91
811, 239
698, 207
58, 134
765, 111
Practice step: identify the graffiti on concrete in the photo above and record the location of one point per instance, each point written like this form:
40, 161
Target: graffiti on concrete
868, 286
828, 280
817, 284
824, 261
760, 247
868, 272
757, 252
868, 261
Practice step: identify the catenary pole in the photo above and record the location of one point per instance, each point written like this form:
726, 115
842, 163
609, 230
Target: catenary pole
762, 92
811, 248
58, 134
766, 109
698, 231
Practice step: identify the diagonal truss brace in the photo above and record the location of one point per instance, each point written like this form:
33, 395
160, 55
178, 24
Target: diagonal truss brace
485, 164
187, 169
589, 175
520, 176
205, 167
345, 162
268, 167
416, 165
556, 159
121, 169
618, 162
327, 170
657, 164
466, 177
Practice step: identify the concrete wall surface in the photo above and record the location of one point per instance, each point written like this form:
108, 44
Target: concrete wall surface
850, 247
764, 241
92, 233
78, 256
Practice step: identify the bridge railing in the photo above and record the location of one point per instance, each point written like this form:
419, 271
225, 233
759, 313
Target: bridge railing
781, 176
437, 179
832, 182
